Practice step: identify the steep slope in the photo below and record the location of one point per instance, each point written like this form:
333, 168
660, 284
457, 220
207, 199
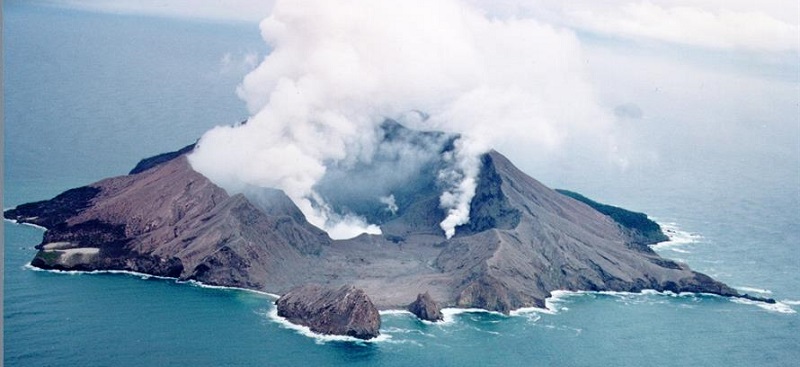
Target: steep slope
643, 230
172, 221
557, 243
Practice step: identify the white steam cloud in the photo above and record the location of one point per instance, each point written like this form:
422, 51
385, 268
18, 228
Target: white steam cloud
390, 202
337, 70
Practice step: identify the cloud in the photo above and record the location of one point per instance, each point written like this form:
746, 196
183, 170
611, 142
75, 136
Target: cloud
241, 63
337, 71
690, 25
767, 25
229, 10
761, 26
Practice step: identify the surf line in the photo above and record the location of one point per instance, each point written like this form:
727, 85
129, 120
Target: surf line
145, 276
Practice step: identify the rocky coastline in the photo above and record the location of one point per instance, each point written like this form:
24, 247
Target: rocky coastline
523, 242
343, 311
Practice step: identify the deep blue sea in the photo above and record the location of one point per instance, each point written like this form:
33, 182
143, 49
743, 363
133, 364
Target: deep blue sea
87, 95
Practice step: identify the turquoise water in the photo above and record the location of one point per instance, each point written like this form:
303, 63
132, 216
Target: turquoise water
87, 95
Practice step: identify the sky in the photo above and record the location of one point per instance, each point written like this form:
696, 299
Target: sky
611, 86
767, 25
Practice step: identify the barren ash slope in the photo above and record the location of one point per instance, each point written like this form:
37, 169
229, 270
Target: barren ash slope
522, 242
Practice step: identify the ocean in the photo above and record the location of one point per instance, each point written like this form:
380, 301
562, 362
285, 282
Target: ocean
88, 94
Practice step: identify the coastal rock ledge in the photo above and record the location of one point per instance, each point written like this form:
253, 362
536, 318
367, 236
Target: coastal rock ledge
425, 308
344, 311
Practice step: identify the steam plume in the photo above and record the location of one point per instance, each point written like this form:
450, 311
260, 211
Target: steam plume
337, 70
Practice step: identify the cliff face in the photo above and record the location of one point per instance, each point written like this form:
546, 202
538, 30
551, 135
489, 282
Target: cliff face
344, 311
425, 308
523, 241
171, 221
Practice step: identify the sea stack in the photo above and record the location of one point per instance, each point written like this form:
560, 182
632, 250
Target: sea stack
344, 311
425, 308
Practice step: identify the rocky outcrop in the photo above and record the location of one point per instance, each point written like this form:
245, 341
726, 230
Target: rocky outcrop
169, 220
343, 311
524, 240
425, 308
50, 213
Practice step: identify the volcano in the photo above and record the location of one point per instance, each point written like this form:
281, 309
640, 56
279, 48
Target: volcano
522, 242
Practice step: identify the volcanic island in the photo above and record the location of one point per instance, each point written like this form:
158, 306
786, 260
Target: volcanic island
522, 242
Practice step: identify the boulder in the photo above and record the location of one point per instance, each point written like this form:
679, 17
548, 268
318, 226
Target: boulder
425, 308
344, 311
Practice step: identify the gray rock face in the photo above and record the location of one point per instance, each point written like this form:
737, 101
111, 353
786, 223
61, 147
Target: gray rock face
425, 308
171, 221
523, 242
344, 311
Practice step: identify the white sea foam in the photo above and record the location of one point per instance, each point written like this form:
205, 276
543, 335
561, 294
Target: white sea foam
95, 272
779, 307
406, 313
552, 303
449, 313
195, 283
526, 311
321, 338
148, 276
790, 302
754, 290
395, 312
24, 224
28, 266
532, 316
677, 238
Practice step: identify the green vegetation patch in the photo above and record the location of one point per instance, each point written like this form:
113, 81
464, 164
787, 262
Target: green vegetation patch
625, 218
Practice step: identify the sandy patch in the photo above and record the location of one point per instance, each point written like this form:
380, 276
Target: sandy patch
81, 251
57, 246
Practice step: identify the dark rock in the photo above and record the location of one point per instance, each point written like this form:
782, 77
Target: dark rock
490, 207
759, 299
345, 311
425, 308
491, 294
148, 163
48, 213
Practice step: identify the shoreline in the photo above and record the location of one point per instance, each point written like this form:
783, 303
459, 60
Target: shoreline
450, 313
14, 221
676, 238
145, 276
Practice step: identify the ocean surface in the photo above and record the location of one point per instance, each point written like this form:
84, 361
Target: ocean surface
87, 95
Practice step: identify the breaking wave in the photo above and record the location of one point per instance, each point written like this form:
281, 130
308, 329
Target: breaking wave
146, 276
24, 224
754, 290
449, 314
554, 303
272, 314
780, 307
677, 238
